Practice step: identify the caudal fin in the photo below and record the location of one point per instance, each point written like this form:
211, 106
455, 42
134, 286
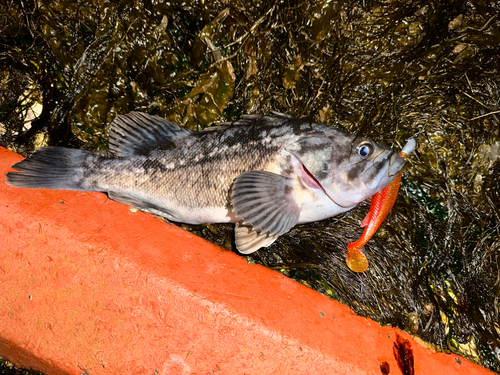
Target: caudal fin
51, 168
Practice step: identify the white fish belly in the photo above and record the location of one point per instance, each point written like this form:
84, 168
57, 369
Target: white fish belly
206, 215
314, 203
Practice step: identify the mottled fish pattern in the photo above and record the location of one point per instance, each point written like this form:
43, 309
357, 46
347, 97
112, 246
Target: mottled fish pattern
264, 173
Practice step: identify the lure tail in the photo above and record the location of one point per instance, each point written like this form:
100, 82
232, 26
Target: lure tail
355, 258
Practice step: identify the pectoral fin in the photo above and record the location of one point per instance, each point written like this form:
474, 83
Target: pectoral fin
265, 202
248, 240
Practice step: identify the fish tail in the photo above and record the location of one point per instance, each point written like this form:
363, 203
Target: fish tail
52, 168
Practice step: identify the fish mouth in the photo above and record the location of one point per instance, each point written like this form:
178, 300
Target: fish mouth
383, 170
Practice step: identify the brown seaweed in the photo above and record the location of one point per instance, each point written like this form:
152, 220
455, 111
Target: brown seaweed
384, 69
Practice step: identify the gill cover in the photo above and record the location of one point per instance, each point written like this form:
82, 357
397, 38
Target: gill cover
316, 156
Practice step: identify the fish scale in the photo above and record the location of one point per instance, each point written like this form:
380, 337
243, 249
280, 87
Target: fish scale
264, 173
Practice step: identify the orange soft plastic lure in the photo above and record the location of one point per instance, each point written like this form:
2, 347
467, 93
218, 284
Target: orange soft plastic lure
380, 206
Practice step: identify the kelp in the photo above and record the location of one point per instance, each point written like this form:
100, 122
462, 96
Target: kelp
383, 69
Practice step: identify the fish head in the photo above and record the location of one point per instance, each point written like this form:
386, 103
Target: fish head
349, 169
362, 169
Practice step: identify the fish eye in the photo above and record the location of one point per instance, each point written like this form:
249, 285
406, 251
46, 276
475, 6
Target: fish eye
365, 149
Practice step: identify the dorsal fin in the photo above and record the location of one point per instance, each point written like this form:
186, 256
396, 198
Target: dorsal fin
137, 133
254, 119
282, 115
243, 120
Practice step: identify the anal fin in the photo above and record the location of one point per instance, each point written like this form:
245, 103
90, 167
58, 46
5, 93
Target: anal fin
141, 205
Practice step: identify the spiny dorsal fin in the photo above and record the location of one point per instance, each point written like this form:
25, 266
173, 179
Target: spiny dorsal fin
255, 119
242, 121
137, 133
282, 115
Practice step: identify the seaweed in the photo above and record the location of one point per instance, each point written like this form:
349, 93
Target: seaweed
384, 69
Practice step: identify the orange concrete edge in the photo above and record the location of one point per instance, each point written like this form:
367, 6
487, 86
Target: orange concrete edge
89, 287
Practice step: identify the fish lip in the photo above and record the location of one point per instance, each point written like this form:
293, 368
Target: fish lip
397, 160
393, 160
400, 160
389, 166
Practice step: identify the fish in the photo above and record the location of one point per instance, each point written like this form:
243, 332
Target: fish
380, 206
266, 174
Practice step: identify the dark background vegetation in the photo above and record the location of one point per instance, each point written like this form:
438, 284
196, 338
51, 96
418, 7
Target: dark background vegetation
384, 69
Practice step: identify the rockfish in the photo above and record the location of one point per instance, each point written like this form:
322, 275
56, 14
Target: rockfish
266, 174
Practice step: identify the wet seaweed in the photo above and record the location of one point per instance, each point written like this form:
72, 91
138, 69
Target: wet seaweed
7, 368
384, 69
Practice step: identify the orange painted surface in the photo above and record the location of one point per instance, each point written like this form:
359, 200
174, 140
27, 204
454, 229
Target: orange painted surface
88, 285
